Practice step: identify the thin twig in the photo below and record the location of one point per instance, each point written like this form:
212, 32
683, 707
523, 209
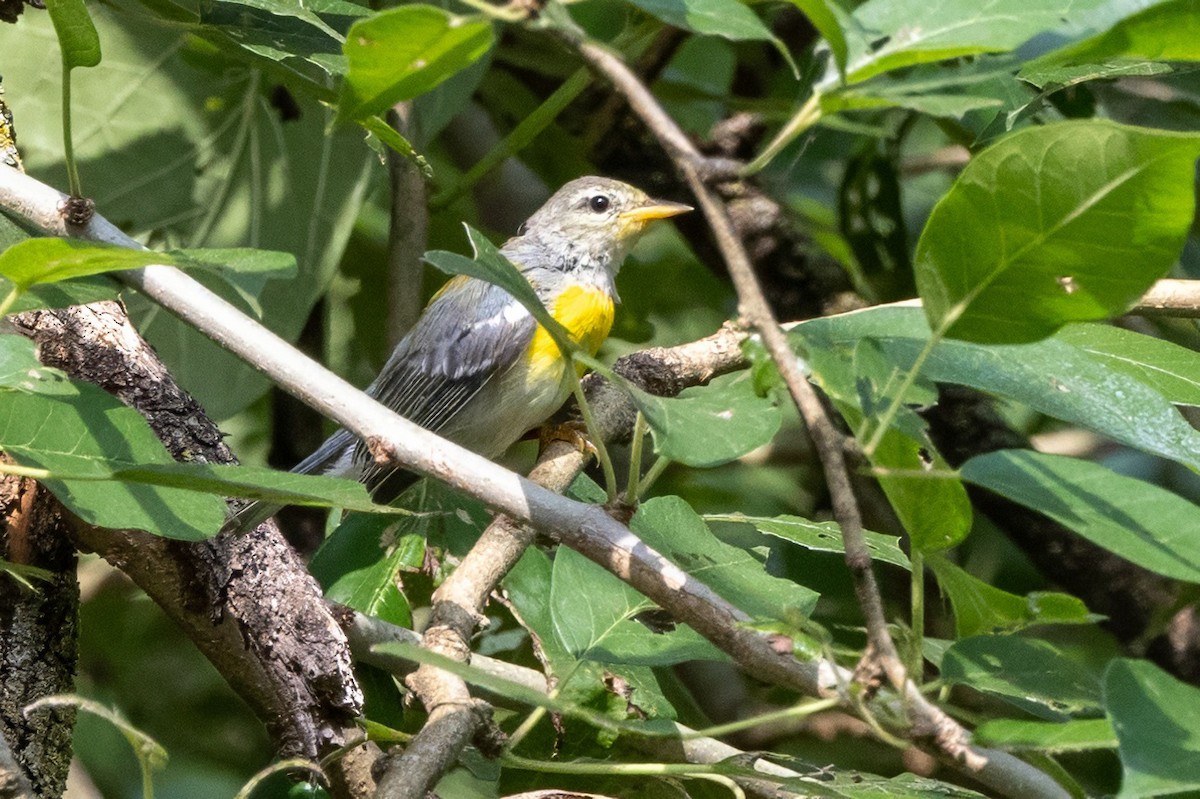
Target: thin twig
930, 725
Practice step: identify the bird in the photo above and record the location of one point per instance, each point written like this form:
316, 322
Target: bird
477, 368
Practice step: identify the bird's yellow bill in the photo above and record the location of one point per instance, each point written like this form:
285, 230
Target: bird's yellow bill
654, 209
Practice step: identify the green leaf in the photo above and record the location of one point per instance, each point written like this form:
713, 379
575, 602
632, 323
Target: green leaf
670, 526
709, 425
1154, 716
1055, 224
400, 53
527, 586
1053, 77
76, 33
817, 536
1139, 521
886, 35
1050, 376
91, 433
195, 154
981, 608
827, 17
253, 482
49, 260
935, 105
522, 693
1029, 673
358, 565
1164, 31
729, 19
20, 368
932, 505
594, 619
490, 264
1077, 735
1168, 368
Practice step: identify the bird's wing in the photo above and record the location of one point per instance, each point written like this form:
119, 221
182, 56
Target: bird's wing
471, 332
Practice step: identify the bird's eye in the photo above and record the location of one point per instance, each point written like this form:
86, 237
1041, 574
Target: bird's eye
599, 203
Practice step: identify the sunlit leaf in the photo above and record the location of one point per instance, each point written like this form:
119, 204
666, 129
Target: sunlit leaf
1049, 376
817, 536
595, 618
672, 528
88, 433
402, 52
1067, 222
76, 33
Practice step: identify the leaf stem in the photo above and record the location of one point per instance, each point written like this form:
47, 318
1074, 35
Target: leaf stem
8, 301
597, 440
538, 712
16, 470
807, 116
800, 710
917, 558
68, 147
652, 474
635, 458
518, 138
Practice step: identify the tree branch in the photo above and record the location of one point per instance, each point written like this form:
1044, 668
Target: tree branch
246, 601
930, 726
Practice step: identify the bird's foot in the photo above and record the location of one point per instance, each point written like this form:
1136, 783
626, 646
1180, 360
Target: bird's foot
573, 432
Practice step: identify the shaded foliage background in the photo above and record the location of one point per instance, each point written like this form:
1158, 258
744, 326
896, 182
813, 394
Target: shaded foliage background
213, 126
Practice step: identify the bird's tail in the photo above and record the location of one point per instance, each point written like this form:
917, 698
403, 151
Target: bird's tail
332, 457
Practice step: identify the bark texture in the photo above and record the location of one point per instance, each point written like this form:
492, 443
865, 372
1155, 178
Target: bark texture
39, 630
246, 601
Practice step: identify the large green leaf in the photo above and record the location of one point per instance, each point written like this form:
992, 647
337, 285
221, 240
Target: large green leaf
1055, 224
50, 260
403, 52
670, 526
887, 35
1154, 715
594, 619
1049, 376
191, 149
1172, 370
1030, 673
981, 608
1139, 521
90, 432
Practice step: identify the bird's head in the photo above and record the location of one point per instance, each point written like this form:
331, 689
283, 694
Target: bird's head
595, 220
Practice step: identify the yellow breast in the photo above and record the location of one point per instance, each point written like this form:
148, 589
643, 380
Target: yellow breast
587, 314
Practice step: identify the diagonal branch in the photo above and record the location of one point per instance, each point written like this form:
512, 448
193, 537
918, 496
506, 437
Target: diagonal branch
930, 725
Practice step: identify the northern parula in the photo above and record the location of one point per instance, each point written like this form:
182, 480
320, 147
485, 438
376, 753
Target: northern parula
476, 368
